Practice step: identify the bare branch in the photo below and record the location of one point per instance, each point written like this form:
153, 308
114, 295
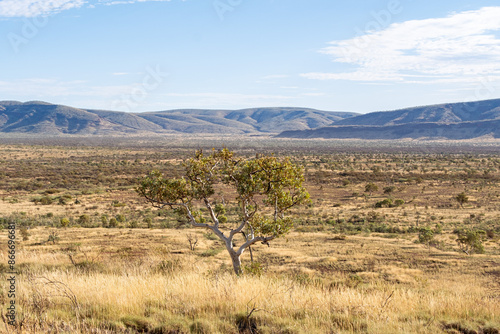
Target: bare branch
212, 213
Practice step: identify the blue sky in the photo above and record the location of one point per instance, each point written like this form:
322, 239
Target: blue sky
144, 55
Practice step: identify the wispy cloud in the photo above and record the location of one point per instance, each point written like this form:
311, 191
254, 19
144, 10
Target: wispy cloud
124, 2
457, 48
51, 88
33, 8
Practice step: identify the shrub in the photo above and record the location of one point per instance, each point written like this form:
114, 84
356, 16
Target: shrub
470, 241
24, 233
254, 269
399, 202
386, 203
113, 222
64, 222
84, 220
46, 200
425, 236
104, 221
120, 218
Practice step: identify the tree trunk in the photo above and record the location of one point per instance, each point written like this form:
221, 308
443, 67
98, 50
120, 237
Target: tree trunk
236, 262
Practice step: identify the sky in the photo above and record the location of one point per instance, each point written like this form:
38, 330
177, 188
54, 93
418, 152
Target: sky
337, 55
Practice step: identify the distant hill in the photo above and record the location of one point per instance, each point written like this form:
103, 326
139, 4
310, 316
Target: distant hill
50, 119
440, 113
444, 121
455, 131
456, 121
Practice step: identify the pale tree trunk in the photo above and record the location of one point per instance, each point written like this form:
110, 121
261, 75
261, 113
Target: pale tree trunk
235, 258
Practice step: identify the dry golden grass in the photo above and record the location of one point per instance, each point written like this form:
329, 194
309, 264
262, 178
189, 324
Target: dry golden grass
150, 279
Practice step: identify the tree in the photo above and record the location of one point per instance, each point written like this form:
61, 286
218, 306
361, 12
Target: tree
370, 188
265, 188
462, 198
425, 236
471, 241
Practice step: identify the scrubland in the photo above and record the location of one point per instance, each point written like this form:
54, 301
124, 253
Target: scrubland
93, 257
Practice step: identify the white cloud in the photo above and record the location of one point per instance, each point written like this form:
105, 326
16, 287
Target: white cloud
125, 2
33, 8
457, 48
50, 88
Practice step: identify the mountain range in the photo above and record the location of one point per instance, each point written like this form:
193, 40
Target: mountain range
51, 119
455, 121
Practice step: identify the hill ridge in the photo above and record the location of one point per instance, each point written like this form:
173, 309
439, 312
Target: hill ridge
54, 119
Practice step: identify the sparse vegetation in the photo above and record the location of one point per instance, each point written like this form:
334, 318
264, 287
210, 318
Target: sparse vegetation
348, 266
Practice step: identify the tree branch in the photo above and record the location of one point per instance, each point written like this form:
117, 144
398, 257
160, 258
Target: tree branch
250, 242
212, 213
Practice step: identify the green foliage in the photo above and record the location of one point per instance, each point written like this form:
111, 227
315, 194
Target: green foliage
462, 198
64, 222
104, 221
386, 203
149, 222
371, 187
399, 202
470, 241
389, 190
254, 269
425, 236
84, 220
53, 237
389, 203
46, 200
275, 183
113, 222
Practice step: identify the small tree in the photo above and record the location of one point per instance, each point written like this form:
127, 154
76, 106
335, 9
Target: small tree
462, 198
425, 236
370, 188
471, 241
265, 188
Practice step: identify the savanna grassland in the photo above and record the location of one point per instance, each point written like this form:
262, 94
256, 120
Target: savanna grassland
374, 252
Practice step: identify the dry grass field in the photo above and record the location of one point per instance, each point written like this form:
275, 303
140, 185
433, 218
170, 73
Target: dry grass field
97, 259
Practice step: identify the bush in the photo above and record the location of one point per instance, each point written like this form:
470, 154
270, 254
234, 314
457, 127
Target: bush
46, 200
84, 220
254, 269
64, 222
470, 241
386, 203
399, 202
425, 236
104, 221
113, 222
